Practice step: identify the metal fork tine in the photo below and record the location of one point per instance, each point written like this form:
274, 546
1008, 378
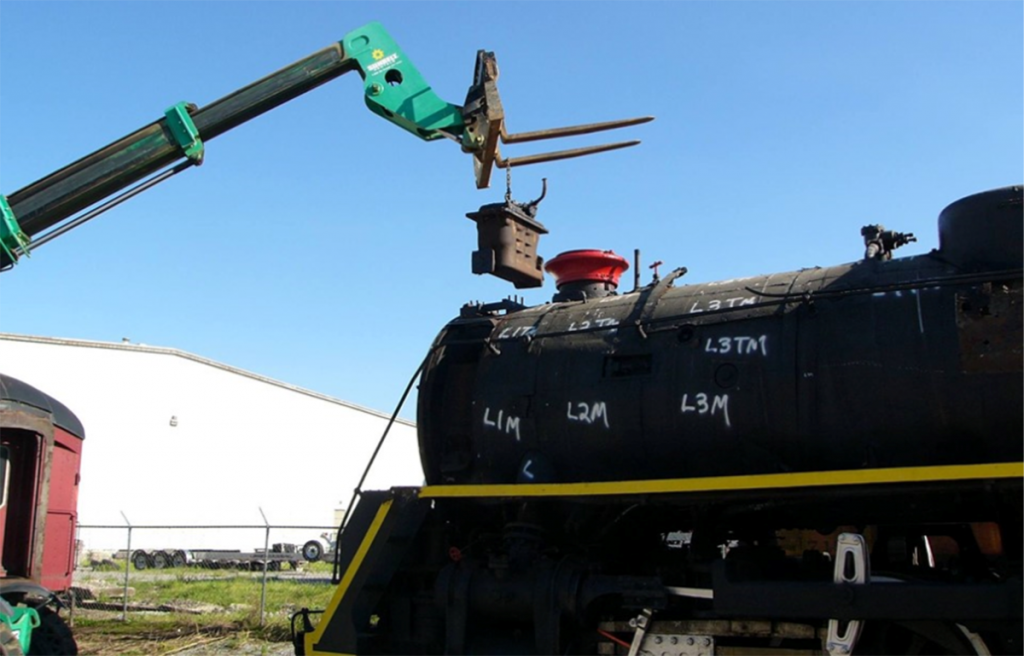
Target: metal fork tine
570, 131
561, 154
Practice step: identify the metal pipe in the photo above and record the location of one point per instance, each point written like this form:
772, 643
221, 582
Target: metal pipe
113, 202
636, 269
266, 553
336, 574
571, 131
562, 154
127, 568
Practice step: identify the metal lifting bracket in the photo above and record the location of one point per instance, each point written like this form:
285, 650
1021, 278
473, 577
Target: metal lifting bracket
484, 127
393, 87
11, 235
184, 131
395, 90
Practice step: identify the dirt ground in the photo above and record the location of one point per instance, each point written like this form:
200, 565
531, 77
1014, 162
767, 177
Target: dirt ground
214, 640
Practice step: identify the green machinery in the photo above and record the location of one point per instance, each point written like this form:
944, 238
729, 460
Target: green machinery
393, 89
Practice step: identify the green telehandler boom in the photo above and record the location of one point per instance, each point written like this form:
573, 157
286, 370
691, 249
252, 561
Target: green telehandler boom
393, 89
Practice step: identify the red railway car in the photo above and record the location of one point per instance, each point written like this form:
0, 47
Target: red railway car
40, 463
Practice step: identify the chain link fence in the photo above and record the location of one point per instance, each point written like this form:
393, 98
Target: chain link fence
258, 574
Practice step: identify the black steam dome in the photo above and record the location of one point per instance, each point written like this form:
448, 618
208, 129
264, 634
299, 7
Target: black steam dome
984, 230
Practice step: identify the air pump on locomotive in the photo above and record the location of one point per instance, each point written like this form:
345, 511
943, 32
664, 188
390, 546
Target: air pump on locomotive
821, 461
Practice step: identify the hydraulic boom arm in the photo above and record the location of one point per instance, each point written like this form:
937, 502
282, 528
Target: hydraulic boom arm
393, 89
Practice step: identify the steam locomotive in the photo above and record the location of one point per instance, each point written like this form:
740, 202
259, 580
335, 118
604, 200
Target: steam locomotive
821, 461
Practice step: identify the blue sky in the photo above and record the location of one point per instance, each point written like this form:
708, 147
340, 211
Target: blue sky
324, 247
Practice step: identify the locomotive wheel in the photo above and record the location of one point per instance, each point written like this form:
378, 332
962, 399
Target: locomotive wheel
9, 644
52, 637
914, 638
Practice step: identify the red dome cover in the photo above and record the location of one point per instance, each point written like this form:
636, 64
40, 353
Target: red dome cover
587, 265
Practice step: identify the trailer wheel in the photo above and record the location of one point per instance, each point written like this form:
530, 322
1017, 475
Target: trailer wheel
140, 559
52, 636
312, 551
160, 560
179, 559
9, 643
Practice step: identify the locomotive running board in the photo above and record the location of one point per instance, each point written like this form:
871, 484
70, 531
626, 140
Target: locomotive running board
837, 478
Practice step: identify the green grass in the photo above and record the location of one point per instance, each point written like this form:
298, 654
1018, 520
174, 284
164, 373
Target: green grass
228, 590
216, 597
225, 605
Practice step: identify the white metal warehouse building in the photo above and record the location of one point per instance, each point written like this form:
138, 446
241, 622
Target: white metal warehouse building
173, 438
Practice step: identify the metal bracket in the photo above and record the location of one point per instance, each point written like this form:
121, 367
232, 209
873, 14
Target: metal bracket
648, 301
640, 623
185, 132
395, 90
673, 644
484, 119
851, 566
11, 235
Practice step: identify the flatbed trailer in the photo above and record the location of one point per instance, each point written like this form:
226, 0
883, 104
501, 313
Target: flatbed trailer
274, 559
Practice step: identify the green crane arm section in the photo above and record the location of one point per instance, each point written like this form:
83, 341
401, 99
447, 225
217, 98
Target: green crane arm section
393, 89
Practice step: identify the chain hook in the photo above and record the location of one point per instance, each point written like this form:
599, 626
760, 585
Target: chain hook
532, 205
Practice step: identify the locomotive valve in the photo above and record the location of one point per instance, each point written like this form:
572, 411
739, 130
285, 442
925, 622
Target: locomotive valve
879, 243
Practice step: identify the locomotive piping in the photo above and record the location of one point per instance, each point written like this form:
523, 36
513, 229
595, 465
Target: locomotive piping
366, 472
964, 279
732, 483
782, 299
